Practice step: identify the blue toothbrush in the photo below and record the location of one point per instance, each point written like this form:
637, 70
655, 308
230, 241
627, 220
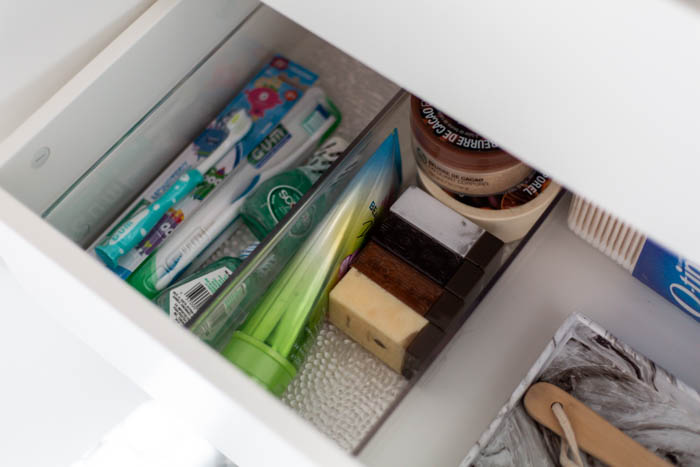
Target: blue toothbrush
135, 228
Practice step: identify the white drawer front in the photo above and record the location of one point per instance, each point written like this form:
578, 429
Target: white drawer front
601, 95
240, 418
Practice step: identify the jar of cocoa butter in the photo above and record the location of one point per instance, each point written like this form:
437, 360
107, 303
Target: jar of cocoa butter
457, 159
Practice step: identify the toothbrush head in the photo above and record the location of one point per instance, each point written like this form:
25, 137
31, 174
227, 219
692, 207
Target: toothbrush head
239, 119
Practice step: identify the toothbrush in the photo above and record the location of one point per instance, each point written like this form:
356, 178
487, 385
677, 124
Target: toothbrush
218, 223
195, 242
135, 228
220, 209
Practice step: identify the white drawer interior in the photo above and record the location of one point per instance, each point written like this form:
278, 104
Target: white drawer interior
97, 192
81, 188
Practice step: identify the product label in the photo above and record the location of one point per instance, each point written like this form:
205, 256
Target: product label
197, 239
126, 228
188, 298
674, 278
281, 199
452, 132
166, 225
212, 179
228, 314
190, 160
520, 194
269, 146
453, 180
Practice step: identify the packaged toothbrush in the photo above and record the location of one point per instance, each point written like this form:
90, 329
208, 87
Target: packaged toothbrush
287, 144
268, 203
266, 100
267, 206
273, 341
273, 199
237, 227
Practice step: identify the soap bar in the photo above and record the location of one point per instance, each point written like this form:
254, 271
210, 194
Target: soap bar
445, 225
397, 277
374, 318
417, 248
434, 238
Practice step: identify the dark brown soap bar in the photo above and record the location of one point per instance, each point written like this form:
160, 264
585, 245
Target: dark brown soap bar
418, 249
484, 250
397, 277
444, 311
422, 349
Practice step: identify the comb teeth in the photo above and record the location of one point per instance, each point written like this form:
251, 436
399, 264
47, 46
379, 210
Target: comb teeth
608, 234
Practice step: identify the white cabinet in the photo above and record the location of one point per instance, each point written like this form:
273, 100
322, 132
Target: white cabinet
601, 95
74, 164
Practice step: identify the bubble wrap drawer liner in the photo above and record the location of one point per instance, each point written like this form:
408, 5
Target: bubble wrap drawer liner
342, 389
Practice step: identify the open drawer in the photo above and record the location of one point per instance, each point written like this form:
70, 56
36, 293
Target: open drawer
79, 161
60, 191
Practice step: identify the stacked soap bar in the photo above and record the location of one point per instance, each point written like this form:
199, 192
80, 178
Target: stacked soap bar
412, 282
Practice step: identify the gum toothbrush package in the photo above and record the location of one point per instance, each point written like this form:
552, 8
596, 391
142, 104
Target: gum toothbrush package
267, 98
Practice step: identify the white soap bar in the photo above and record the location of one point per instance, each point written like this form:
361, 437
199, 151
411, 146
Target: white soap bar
374, 318
433, 218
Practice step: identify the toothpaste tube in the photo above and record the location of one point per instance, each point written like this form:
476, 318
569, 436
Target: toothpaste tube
267, 99
272, 343
288, 144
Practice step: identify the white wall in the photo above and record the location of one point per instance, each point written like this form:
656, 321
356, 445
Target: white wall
43, 43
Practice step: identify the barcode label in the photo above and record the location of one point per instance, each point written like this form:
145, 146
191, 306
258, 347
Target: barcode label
188, 298
198, 295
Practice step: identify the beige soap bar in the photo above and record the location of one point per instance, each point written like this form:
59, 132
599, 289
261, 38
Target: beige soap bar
374, 318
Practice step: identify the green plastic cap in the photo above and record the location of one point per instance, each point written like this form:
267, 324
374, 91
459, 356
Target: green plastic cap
260, 362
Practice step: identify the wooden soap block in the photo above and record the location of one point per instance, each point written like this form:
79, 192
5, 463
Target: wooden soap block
374, 318
398, 278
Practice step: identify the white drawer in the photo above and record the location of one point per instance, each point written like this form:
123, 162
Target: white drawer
152, 90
